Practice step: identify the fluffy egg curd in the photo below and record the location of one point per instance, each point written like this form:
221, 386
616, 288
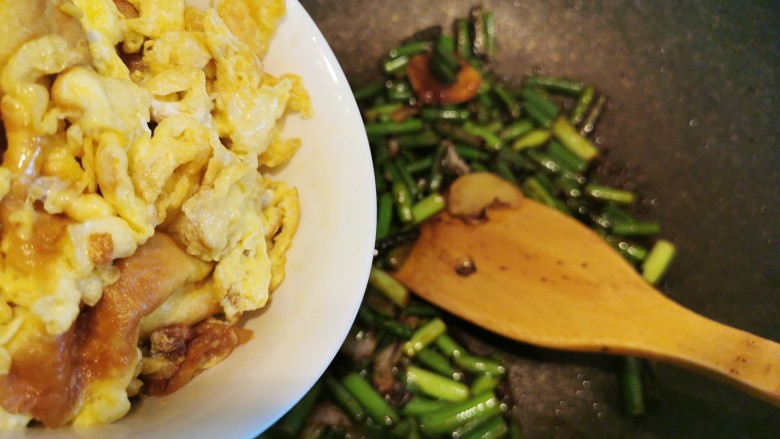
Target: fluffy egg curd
137, 219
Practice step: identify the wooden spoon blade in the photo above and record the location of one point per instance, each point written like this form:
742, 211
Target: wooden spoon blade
543, 278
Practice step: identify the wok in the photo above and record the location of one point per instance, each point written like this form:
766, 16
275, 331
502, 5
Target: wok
691, 125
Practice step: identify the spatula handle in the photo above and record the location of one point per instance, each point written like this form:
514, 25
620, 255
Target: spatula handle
744, 360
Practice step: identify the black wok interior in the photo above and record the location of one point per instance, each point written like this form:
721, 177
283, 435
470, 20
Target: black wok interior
691, 125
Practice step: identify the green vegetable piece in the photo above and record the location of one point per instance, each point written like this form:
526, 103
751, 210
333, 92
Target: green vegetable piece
484, 383
450, 347
428, 207
583, 103
474, 364
376, 406
447, 419
553, 84
419, 405
533, 139
384, 215
345, 399
605, 193
631, 386
435, 385
658, 261
408, 125
493, 428
424, 336
572, 140
437, 362
388, 286
292, 423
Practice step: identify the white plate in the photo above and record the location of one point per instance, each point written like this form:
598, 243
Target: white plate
299, 333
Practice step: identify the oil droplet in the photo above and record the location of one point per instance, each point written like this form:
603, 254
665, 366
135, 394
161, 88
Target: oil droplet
693, 122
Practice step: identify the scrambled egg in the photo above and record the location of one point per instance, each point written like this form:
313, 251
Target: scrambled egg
125, 123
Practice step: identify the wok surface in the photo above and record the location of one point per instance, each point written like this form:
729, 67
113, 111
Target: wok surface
691, 126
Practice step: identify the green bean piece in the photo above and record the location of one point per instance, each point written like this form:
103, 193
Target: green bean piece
533, 139
474, 364
435, 385
449, 347
469, 153
444, 50
572, 140
658, 260
502, 169
533, 189
463, 38
444, 73
478, 167
605, 193
485, 382
384, 215
447, 419
421, 310
394, 65
540, 101
445, 113
631, 386
508, 100
395, 327
408, 125
292, 423
490, 34
633, 252
408, 49
515, 159
403, 202
380, 112
400, 91
491, 141
368, 91
409, 181
419, 405
543, 161
424, 336
492, 428
569, 186
375, 405
437, 362
515, 130
345, 399
583, 103
379, 180
636, 229
423, 139
444, 63
423, 164
414, 433
458, 134
537, 115
428, 207
388, 286
567, 159
553, 84
437, 176
590, 121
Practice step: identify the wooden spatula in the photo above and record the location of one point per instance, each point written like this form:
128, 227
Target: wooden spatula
542, 278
